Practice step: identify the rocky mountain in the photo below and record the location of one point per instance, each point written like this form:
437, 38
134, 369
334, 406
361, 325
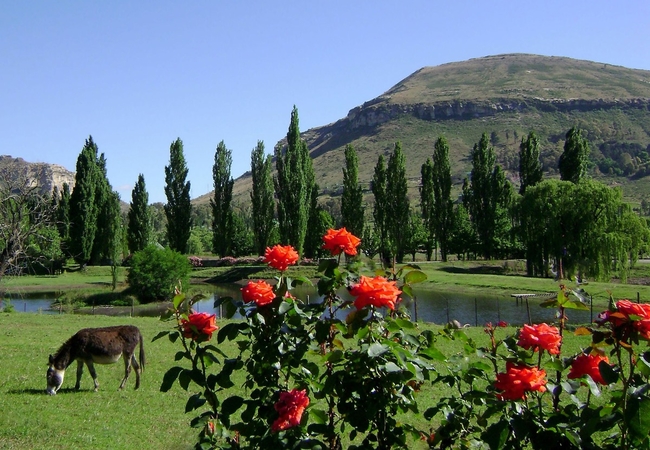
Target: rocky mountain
46, 175
506, 96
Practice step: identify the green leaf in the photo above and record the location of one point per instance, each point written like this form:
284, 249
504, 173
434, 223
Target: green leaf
637, 416
377, 349
195, 401
334, 356
415, 276
607, 372
159, 335
318, 415
644, 366
231, 404
391, 367
434, 354
184, 379
284, 307
177, 300
229, 331
405, 324
408, 290
496, 435
169, 378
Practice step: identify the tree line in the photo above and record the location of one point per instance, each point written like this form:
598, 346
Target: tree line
574, 226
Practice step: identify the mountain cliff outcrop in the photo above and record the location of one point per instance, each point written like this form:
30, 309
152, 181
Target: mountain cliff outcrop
46, 175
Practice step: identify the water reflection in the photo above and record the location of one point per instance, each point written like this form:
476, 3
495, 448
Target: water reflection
436, 306
433, 306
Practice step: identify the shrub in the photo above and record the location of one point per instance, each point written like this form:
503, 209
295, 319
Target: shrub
154, 273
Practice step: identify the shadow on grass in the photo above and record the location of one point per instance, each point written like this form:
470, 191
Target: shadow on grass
476, 270
235, 274
44, 391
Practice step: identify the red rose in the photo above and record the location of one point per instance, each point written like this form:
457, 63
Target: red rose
587, 365
280, 257
518, 380
337, 241
628, 317
259, 292
376, 291
199, 326
290, 407
541, 336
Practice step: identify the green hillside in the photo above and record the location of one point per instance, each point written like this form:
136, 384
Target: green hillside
506, 96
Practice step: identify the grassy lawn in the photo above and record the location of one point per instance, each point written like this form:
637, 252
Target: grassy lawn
146, 418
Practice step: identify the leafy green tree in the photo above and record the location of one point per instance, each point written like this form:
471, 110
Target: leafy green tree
442, 213
138, 234
262, 198
488, 197
585, 227
530, 166
178, 209
575, 158
155, 272
463, 241
397, 201
221, 202
417, 235
426, 207
83, 204
158, 223
293, 186
352, 210
314, 234
378, 186
243, 238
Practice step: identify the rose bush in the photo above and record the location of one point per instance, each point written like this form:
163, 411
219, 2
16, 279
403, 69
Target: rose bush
325, 375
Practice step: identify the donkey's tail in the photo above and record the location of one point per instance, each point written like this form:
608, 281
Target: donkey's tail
142, 359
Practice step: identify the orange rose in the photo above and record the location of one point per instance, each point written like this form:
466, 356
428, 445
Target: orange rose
518, 380
337, 241
587, 365
259, 292
199, 326
376, 291
280, 257
541, 336
290, 408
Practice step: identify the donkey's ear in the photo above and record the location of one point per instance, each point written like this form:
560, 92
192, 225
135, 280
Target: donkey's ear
51, 361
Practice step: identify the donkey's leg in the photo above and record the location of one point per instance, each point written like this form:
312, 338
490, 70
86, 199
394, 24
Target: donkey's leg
127, 368
91, 369
138, 370
80, 369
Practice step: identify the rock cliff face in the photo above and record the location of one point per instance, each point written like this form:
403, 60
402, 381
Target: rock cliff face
377, 112
46, 175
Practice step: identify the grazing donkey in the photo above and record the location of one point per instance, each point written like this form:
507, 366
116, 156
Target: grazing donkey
97, 345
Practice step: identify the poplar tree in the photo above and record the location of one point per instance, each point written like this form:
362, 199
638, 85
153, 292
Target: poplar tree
178, 208
443, 207
262, 198
426, 207
530, 167
222, 215
83, 207
487, 196
380, 210
293, 186
397, 202
352, 210
575, 157
138, 234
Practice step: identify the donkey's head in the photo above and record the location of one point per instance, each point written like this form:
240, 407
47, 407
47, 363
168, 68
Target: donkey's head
54, 377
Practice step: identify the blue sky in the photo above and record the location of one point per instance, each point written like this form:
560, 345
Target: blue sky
138, 74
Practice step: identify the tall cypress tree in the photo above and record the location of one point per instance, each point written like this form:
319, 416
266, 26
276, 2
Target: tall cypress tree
530, 167
380, 210
574, 158
352, 210
83, 207
108, 216
222, 215
293, 186
138, 233
262, 198
178, 208
426, 206
487, 197
62, 216
397, 201
443, 207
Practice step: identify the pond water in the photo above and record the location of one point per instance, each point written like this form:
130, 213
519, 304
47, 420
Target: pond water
433, 306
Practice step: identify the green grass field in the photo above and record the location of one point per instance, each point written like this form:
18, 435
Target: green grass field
146, 418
